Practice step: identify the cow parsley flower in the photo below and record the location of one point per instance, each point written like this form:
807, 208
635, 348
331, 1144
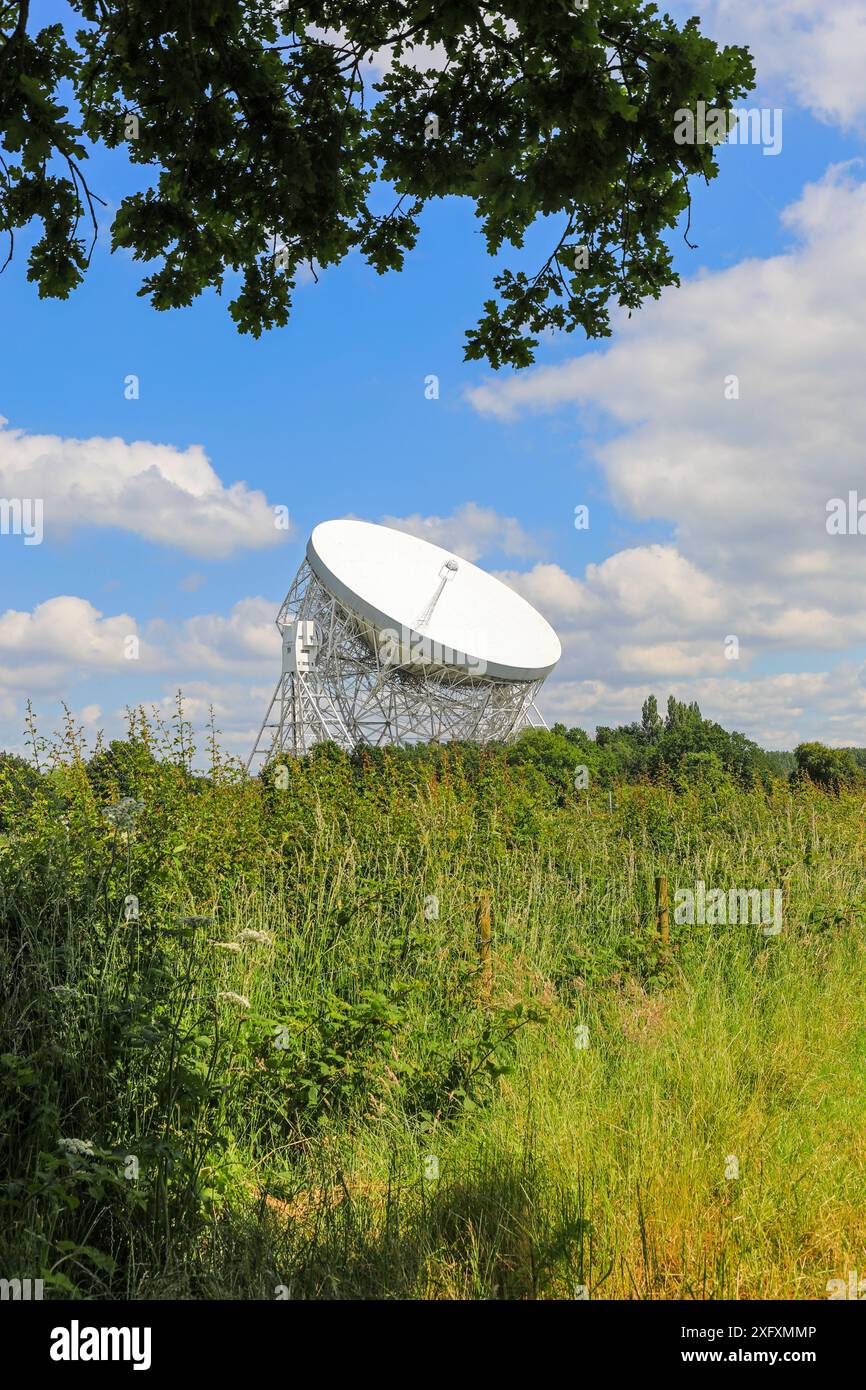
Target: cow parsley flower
231, 998
123, 813
77, 1146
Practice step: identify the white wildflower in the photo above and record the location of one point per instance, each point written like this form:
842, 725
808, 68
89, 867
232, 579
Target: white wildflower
123, 813
261, 936
226, 946
77, 1146
231, 998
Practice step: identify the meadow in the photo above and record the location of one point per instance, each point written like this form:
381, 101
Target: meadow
254, 1044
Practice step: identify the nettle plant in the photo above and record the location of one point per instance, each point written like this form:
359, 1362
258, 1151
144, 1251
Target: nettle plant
270, 139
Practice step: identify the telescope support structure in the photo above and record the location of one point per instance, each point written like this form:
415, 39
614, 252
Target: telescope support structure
343, 681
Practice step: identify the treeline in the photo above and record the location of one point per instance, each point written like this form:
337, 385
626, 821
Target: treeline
827, 767
679, 749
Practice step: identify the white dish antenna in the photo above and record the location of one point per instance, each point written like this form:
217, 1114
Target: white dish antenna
389, 639
400, 583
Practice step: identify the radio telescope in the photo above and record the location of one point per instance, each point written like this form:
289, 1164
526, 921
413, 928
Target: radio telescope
389, 639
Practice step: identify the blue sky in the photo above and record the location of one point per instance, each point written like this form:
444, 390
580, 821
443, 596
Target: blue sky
707, 515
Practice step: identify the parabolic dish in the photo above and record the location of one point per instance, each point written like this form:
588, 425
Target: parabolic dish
390, 579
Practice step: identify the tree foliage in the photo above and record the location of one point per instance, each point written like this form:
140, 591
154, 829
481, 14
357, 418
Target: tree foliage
269, 144
830, 768
683, 748
18, 783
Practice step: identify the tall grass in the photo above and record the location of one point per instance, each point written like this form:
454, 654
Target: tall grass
333, 1107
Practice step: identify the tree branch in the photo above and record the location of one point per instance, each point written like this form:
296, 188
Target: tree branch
17, 34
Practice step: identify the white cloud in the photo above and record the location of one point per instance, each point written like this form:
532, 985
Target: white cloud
814, 54
191, 583
811, 54
171, 496
614, 657
745, 482
66, 639
778, 711
238, 708
378, 62
248, 635
560, 596
655, 581
65, 645
470, 531
59, 641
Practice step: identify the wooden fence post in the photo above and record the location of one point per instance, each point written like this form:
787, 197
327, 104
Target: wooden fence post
482, 918
663, 918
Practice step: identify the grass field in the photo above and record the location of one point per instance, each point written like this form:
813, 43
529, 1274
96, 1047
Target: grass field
264, 1019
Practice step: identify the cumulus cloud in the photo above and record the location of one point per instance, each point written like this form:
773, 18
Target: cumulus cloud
246, 636
471, 531
67, 639
812, 54
163, 494
733, 410
238, 709
66, 649
66, 644
778, 711
737, 412
379, 61
643, 613
805, 53
59, 641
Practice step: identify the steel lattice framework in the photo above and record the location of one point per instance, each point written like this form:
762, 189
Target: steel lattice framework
346, 687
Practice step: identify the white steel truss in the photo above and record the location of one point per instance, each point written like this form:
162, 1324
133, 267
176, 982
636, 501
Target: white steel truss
340, 683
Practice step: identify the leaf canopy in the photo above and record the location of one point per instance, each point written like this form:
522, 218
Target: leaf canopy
271, 129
